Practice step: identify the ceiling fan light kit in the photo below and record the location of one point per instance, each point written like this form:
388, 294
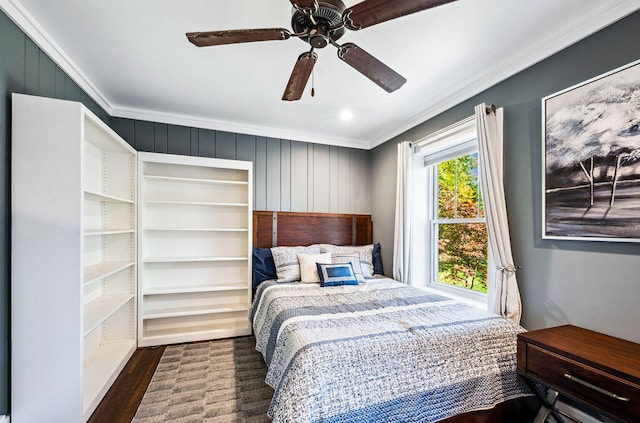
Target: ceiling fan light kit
323, 22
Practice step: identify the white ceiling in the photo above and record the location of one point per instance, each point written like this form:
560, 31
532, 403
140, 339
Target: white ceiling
133, 58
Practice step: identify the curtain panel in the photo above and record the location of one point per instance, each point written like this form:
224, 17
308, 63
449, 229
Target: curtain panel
404, 204
503, 295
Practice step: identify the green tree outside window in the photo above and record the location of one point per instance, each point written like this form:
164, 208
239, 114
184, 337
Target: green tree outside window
462, 233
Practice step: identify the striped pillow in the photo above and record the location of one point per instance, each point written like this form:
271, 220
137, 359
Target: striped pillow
354, 259
286, 261
365, 252
336, 274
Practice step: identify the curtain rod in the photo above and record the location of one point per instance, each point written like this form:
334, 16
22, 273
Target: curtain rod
490, 109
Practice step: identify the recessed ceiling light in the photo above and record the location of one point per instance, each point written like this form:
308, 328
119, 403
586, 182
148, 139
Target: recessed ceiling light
346, 115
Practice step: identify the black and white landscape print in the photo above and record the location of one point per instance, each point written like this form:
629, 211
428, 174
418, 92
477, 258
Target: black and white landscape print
592, 159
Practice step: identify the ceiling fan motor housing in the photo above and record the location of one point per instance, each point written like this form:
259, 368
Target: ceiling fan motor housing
328, 15
320, 23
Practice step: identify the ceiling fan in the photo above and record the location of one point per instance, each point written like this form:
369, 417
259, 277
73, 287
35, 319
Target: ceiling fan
323, 22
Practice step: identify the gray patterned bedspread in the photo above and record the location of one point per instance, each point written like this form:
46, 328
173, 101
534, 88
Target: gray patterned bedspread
380, 352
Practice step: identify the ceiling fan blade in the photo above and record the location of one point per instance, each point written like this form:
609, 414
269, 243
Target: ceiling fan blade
372, 12
388, 79
299, 76
304, 4
217, 38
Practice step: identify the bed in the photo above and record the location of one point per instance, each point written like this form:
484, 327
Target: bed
379, 350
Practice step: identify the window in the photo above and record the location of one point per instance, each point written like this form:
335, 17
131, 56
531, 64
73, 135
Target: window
458, 228
450, 245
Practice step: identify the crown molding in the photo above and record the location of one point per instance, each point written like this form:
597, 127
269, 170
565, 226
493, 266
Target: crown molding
19, 15
240, 128
545, 47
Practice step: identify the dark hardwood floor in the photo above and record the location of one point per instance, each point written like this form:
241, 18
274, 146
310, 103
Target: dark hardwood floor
122, 400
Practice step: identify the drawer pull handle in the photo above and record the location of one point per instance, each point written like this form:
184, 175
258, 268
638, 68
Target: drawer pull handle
595, 388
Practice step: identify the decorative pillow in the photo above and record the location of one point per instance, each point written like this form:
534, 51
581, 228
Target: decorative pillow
264, 268
354, 259
377, 260
336, 274
365, 252
286, 261
308, 269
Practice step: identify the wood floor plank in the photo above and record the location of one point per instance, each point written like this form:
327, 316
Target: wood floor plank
123, 399
124, 396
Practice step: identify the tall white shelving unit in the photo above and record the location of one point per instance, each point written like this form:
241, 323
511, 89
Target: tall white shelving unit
73, 290
194, 223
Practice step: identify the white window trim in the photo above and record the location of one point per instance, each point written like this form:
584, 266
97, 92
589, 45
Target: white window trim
459, 132
474, 298
456, 138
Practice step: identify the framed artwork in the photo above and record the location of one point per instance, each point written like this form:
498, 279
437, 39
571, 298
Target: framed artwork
591, 159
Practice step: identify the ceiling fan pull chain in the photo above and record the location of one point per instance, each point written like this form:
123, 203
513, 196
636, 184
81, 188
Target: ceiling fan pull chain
313, 82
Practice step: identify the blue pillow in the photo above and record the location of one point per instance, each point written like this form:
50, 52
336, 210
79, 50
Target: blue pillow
377, 260
336, 274
264, 267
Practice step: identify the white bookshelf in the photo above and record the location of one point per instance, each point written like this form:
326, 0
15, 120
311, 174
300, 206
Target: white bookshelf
194, 224
73, 262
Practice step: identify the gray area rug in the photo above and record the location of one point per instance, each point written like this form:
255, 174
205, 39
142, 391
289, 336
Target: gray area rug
218, 381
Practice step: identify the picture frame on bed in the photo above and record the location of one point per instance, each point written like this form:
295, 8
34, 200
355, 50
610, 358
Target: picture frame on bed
591, 159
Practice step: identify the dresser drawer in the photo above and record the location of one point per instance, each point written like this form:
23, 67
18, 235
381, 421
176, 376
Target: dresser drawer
584, 383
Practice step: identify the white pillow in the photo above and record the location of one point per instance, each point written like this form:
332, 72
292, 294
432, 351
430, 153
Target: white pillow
308, 268
286, 261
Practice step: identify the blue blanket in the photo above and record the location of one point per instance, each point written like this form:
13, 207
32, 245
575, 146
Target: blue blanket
380, 351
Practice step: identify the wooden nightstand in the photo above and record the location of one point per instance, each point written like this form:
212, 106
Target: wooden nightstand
595, 369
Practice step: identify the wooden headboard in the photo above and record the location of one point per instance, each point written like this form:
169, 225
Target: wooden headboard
272, 229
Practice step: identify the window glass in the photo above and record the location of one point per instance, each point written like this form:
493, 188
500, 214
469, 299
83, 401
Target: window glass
462, 255
459, 228
458, 188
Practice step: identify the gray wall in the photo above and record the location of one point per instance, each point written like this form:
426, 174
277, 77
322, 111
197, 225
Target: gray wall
586, 283
289, 175
590, 284
24, 68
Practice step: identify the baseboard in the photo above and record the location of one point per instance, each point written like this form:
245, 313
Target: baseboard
4, 419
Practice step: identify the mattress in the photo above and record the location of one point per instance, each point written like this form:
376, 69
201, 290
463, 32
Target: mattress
380, 351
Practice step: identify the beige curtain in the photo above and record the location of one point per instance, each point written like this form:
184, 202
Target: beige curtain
503, 295
402, 233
